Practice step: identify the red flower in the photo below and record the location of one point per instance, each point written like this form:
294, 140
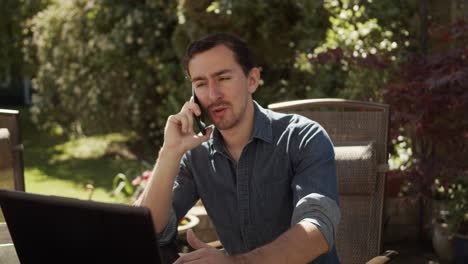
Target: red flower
146, 175
136, 181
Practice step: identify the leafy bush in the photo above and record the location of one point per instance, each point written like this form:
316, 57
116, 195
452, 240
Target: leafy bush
363, 44
457, 217
14, 15
428, 109
275, 30
106, 66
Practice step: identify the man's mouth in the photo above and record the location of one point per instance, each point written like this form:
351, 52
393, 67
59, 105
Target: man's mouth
218, 110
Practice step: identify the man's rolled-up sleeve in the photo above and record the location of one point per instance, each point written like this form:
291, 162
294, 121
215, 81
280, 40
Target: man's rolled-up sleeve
184, 196
169, 232
321, 211
315, 183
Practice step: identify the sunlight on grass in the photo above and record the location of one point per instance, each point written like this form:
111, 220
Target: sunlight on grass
86, 148
57, 165
38, 182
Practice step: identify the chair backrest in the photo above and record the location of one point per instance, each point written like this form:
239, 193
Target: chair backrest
359, 131
11, 151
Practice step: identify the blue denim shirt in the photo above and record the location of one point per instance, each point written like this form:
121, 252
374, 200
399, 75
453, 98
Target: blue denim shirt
285, 174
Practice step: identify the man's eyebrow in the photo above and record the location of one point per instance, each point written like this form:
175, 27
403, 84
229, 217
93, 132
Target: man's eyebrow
221, 72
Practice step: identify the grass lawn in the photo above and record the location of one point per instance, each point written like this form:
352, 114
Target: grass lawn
56, 165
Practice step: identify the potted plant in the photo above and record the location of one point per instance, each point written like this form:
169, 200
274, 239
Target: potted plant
457, 218
441, 235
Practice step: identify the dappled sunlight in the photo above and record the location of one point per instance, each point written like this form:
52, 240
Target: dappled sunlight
92, 147
95, 81
39, 182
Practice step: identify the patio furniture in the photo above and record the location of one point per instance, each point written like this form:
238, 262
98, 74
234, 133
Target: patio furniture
11, 158
11, 151
359, 133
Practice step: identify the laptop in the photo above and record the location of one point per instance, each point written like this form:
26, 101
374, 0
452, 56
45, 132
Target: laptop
53, 229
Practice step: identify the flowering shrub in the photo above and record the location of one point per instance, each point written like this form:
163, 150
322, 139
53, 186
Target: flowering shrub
455, 198
140, 183
133, 188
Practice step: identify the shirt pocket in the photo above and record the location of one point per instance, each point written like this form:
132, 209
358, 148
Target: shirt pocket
276, 197
272, 177
276, 209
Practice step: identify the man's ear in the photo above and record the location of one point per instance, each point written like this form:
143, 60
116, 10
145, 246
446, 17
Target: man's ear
253, 79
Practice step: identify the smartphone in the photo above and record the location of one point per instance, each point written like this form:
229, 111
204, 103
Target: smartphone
198, 119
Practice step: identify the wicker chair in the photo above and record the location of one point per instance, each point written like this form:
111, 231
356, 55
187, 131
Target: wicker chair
359, 133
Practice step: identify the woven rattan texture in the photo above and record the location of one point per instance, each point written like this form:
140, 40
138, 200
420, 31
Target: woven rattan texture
360, 139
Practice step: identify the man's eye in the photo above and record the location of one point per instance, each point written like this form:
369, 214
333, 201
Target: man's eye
198, 85
224, 78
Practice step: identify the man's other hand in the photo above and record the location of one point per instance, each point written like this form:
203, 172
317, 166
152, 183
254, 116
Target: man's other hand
203, 253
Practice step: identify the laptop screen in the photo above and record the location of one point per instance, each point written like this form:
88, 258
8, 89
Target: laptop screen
52, 229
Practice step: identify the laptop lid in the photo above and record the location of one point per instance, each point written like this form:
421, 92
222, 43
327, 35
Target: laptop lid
53, 229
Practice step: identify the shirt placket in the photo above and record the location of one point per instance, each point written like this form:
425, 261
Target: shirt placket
243, 199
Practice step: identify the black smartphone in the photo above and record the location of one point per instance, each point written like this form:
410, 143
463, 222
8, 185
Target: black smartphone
198, 119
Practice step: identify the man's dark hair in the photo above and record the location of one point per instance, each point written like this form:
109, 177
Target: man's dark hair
242, 53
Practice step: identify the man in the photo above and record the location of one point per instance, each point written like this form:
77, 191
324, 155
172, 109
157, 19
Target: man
267, 180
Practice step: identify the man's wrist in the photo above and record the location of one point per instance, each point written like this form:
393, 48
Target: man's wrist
241, 259
168, 153
251, 257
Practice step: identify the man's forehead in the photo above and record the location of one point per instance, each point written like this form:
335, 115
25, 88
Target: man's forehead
212, 61
214, 74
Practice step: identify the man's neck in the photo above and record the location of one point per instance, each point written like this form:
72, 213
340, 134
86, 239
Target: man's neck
237, 137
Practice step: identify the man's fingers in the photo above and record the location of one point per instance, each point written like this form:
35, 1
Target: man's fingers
179, 120
192, 256
184, 121
190, 117
192, 107
194, 242
206, 136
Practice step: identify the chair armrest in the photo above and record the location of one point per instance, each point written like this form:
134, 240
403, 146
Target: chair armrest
386, 257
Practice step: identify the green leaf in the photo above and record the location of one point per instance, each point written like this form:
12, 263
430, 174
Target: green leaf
213, 6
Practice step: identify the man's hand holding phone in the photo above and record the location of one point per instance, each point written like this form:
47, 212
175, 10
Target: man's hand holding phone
179, 135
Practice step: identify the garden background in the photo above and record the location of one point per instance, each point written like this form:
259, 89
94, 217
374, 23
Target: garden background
96, 80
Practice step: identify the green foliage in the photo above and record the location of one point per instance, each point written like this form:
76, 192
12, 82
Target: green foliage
362, 31
457, 217
13, 17
55, 165
106, 66
454, 195
275, 30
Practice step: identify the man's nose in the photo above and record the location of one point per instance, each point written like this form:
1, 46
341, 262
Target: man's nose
214, 90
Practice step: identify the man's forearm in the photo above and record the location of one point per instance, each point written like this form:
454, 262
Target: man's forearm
301, 244
157, 195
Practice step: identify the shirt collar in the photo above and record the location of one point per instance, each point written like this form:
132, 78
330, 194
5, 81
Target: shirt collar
262, 130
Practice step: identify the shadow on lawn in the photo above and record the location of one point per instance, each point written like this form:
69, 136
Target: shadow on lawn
94, 160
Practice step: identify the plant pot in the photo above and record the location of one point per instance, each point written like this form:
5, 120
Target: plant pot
428, 210
442, 243
401, 219
460, 246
